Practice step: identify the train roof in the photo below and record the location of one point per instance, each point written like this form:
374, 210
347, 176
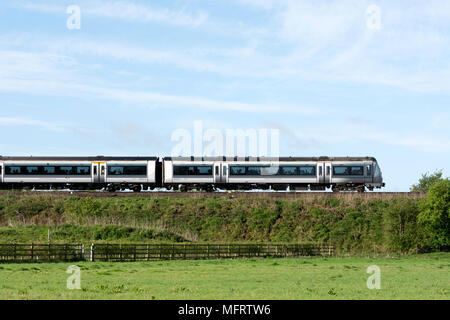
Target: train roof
223, 158
74, 158
192, 158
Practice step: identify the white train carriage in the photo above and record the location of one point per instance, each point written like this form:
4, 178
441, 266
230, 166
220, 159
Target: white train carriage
134, 174
209, 173
186, 173
112, 173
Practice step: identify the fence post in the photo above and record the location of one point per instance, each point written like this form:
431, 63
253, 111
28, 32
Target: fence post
92, 252
82, 252
160, 251
185, 251
65, 252
135, 252
173, 251
148, 253
218, 251
32, 251
207, 247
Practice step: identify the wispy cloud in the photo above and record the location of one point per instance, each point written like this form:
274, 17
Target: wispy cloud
145, 98
47, 125
57, 75
123, 10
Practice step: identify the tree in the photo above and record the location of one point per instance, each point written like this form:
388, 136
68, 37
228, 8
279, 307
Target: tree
434, 214
427, 181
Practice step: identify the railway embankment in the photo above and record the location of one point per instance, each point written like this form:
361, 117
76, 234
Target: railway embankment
352, 223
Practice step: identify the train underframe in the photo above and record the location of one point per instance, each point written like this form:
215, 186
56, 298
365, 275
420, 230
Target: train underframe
115, 187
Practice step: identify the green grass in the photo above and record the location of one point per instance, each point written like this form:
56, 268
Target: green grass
408, 277
351, 225
85, 234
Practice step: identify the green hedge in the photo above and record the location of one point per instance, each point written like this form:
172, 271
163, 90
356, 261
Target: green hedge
354, 226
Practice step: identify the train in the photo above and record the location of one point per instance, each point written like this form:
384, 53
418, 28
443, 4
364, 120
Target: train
208, 174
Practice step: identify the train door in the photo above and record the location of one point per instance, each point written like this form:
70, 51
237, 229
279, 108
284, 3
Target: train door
369, 172
327, 175
1, 172
224, 173
320, 172
217, 172
99, 172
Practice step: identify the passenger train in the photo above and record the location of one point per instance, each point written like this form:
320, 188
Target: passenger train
191, 173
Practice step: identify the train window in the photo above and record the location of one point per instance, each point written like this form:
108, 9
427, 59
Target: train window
328, 171
224, 170
205, 170
127, 170
31, 170
320, 171
83, 171
357, 171
288, 171
182, 170
307, 171
48, 170
269, 171
253, 171
348, 171
95, 170
217, 170
237, 171
12, 170
113, 171
65, 170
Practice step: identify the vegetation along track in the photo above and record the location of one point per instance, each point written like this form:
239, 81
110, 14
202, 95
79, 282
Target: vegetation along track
261, 195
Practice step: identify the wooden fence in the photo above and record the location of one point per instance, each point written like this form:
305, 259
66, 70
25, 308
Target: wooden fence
147, 252
16, 252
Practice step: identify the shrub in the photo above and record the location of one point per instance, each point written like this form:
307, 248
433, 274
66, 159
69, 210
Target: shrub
435, 214
402, 232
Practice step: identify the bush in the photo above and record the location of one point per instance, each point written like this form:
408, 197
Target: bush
402, 232
435, 214
426, 181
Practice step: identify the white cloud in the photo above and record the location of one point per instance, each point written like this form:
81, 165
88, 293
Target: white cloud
48, 126
145, 98
123, 10
130, 11
49, 74
320, 22
413, 141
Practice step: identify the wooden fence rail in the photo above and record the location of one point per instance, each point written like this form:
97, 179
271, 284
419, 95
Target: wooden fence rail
16, 252
146, 252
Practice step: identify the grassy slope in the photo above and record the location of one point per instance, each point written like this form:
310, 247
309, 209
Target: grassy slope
351, 225
410, 277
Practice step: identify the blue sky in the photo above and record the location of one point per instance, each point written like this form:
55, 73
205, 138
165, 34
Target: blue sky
138, 70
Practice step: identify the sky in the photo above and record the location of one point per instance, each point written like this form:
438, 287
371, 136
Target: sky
335, 78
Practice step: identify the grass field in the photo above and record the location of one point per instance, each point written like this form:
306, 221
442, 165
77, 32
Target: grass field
408, 277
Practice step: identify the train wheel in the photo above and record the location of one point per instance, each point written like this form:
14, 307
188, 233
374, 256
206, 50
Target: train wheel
361, 189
